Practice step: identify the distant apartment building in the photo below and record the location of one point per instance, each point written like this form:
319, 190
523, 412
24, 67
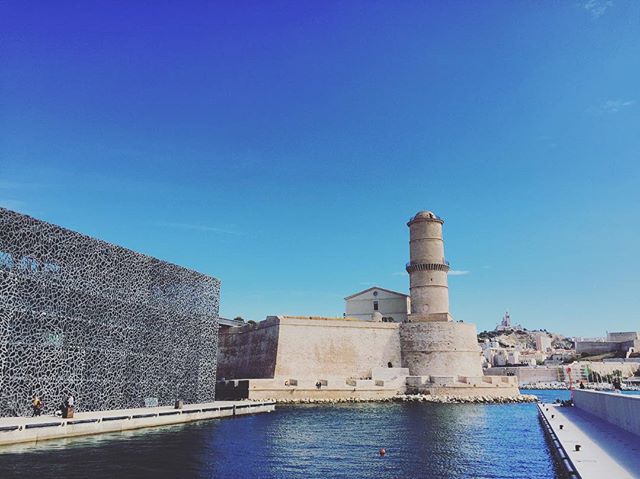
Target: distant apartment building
532, 358
543, 342
504, 357
496, 355
378, 304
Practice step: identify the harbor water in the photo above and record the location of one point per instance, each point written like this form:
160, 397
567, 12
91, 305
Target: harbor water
421, 440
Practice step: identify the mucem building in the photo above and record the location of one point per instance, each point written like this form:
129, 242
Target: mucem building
115, 328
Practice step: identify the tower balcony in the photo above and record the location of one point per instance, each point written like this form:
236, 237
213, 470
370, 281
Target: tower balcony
419, 266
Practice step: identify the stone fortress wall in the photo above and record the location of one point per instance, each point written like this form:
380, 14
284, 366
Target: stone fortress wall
623, 336
327, 358
284, 358
335, 348
615, 342
440, 349
248, 351
110, 326
296, 348
596, 347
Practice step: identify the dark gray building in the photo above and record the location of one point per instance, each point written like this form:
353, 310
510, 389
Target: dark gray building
113, 327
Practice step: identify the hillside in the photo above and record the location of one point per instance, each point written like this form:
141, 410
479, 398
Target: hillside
525, 338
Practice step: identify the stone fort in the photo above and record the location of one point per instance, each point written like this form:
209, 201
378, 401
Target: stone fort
286, 357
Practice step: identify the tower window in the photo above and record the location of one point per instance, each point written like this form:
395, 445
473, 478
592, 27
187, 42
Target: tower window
375, 306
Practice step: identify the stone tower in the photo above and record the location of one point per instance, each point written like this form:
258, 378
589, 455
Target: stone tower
427, 269
432, 344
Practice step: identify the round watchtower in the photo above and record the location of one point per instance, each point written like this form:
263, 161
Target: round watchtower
427, 269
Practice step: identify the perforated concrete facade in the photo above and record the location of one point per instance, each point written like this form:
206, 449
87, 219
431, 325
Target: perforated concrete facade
110, 326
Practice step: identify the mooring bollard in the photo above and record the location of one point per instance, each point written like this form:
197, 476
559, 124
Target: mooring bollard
561, 426
578, 446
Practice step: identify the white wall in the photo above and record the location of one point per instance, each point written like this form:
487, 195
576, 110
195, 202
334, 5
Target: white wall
618, 409
389, 305
543, 342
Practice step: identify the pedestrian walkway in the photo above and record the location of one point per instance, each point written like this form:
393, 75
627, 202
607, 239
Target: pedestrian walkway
15, 430
596, 449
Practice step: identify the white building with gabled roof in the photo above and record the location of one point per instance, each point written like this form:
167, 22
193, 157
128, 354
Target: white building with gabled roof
378, 304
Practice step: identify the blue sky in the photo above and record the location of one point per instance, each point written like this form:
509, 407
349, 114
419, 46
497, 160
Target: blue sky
282, 146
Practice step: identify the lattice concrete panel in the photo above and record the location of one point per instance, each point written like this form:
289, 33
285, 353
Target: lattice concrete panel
106, 324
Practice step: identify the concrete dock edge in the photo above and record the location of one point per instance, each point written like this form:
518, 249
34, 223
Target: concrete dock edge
556, 446
15, 430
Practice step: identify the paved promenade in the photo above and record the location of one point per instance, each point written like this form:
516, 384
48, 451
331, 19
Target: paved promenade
33, 429
606, 451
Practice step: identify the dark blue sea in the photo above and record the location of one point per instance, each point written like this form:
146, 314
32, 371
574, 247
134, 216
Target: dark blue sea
422, 440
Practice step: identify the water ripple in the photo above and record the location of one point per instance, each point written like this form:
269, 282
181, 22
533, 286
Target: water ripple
310, 442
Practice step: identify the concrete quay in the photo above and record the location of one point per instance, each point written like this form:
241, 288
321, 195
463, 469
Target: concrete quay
590, 447
385, 384
14, 430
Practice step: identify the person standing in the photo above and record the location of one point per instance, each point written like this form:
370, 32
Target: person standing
36, 405
68, 410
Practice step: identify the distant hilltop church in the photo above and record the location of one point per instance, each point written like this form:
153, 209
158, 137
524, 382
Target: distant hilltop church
506, 325
386, 343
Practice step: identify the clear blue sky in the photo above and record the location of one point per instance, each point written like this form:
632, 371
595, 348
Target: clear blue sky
282, 146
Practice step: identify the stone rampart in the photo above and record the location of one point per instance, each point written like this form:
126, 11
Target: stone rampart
248, 351
440, 349
623, 336
597, 347
293, 348
296, 358
335, 348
